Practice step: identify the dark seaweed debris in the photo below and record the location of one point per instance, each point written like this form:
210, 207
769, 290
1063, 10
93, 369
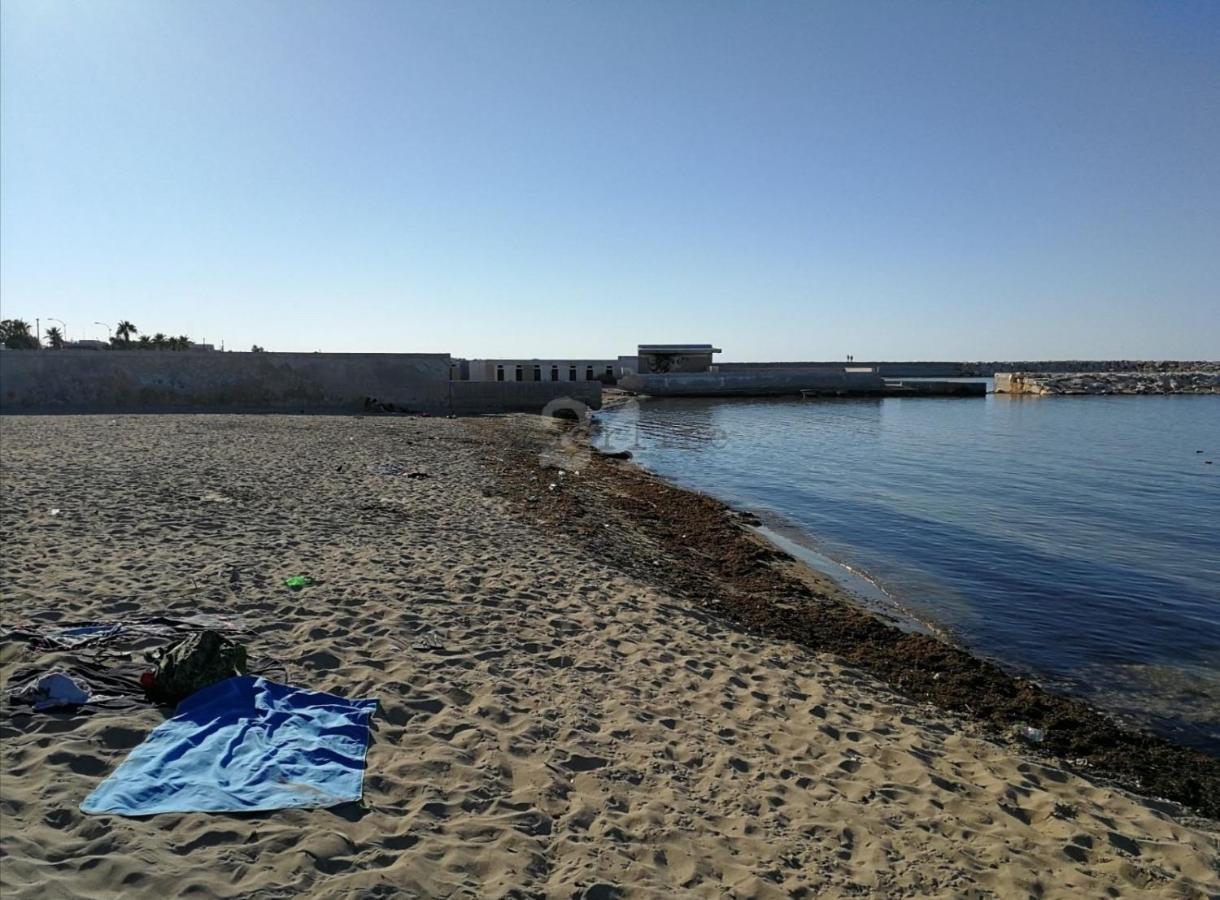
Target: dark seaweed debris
708, 556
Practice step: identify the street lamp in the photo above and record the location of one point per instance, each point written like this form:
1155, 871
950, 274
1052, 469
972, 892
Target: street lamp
107, 327
62, 324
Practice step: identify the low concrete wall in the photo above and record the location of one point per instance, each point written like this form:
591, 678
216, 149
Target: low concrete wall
884, 369
468, 398
163, 381
102, 381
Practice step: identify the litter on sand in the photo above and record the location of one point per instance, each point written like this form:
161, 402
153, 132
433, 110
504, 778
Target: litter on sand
396, 470
1033, 735
296, 582
387, 469
244, 745
429, 640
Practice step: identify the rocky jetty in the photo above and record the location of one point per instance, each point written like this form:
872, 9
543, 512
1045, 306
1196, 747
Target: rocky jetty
1143, 382
1075, 367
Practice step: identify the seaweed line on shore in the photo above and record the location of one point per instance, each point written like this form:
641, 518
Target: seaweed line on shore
699, 548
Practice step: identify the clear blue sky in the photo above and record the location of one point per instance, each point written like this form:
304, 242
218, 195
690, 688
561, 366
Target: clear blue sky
889, 179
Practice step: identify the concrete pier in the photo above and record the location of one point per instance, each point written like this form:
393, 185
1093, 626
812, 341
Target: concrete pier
793, 383
755, 383
911, 388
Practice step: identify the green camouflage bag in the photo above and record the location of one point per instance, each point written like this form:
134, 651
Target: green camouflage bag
195, 662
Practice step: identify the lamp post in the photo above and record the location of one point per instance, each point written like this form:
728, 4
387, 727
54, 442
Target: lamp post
62, 324
107, 327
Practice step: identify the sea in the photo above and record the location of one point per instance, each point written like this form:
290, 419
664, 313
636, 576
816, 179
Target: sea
1075, 540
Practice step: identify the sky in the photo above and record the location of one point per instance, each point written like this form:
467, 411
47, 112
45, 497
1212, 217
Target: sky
893, 180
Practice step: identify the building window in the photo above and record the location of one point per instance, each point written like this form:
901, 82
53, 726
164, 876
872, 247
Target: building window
571, 373
588, 373
499, 373
537, 373
609, 371
520, 374
554, 373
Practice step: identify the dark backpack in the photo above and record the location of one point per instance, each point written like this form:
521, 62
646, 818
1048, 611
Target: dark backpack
195, 662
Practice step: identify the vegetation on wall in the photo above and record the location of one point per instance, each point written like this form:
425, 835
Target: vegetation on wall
15, 334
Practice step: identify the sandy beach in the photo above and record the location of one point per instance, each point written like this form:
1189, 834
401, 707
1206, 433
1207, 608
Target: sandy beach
563, 710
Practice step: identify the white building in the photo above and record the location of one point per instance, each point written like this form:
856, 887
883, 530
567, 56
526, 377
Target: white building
604, 370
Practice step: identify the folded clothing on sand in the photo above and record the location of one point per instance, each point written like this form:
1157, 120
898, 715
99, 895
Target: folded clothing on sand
53, 690
242, 745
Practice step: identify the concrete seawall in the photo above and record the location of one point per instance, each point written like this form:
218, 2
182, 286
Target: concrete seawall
961, 369
470, 398
793, 382
753, 383
104, 381
884, 369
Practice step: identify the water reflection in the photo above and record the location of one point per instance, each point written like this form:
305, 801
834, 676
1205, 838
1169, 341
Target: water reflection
635, 427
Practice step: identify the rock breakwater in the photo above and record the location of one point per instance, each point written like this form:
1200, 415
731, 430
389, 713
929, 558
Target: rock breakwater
1157, 382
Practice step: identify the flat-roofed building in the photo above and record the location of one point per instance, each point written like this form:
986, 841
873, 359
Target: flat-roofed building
662, 358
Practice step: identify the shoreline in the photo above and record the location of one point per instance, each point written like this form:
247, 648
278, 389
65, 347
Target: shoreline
861, 589
820, 615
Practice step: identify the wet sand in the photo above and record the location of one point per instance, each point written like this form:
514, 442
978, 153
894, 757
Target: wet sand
603, 716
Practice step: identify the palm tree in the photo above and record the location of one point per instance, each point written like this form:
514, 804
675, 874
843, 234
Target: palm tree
145, 342
184, 342
15, 334
125, 331
159, 341
55, 337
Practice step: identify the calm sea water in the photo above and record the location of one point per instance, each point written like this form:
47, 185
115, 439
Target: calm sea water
1075, 539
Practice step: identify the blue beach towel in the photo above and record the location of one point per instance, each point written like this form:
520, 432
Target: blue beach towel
241, 745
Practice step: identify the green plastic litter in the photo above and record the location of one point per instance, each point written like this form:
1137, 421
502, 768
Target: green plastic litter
296, 582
